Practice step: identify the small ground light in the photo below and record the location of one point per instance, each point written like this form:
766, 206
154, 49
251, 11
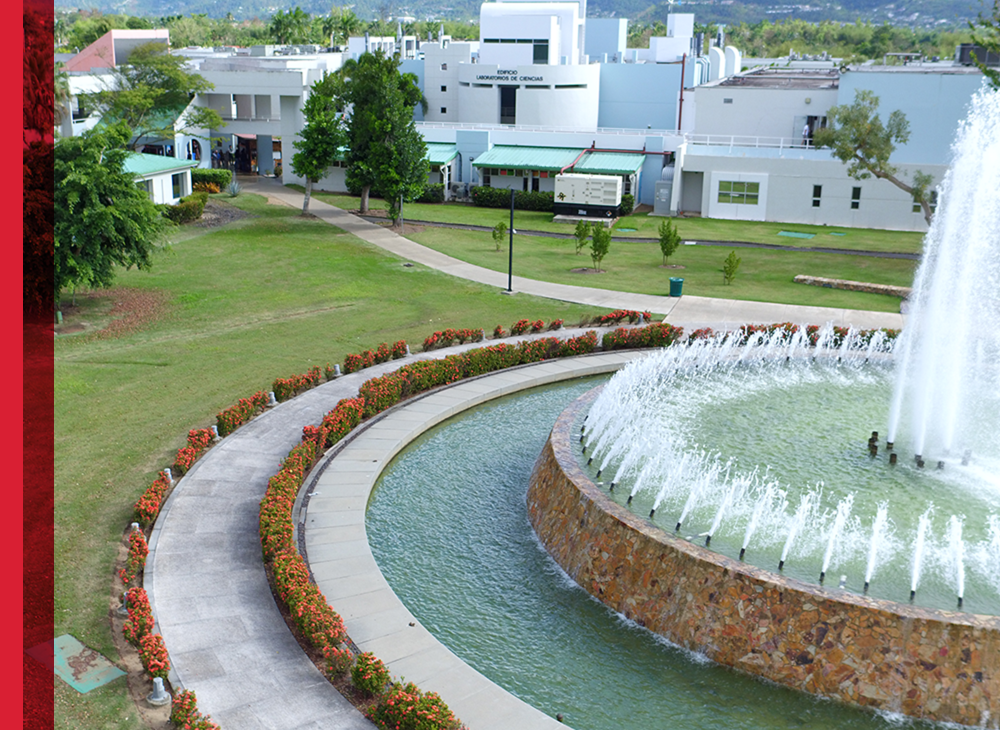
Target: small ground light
159, 696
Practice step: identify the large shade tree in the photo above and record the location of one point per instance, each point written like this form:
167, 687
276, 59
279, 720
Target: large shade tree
151, 93
986, 34
857, 137
102, 219
386, 152
322, 137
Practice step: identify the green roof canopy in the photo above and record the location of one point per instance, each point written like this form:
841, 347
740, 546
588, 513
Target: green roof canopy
555, 159
609, 163
552, 159
142, 164
441, 154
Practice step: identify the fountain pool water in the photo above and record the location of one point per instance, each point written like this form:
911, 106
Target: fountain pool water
459, 551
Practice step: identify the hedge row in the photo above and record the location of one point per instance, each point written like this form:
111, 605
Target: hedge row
659, 334
235, 416
500, 198
285, 388
433, 193
221, 178
184, 713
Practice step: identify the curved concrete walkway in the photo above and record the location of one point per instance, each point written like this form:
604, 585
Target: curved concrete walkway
209, 592
687, 311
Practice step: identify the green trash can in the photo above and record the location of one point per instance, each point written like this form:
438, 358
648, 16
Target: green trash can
676, 286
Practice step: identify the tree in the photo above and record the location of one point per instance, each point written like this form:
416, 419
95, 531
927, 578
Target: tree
152, 93
322, 136
102, 219
857, 137
986, 33
670, 239
498, 233
386, 153
729, 267
292, 26
600, 242
581, 233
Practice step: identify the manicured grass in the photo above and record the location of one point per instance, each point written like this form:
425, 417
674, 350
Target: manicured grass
764, 275
263, 297
701, 229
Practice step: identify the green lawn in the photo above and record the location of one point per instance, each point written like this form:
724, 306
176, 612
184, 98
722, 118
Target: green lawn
263, 297
764, 275
701, 229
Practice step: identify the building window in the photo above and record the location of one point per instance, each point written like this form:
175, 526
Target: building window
932, 200
444, 66
146, 186
178, 183
817, 194
855, 198
444, 88
742, 193
444, 110
540, 52
727, 101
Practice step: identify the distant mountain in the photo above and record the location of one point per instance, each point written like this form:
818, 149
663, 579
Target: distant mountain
916, 13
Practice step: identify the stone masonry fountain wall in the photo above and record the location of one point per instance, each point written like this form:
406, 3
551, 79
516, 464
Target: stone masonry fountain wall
938, 665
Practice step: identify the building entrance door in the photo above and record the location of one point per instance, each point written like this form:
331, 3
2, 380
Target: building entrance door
508, 104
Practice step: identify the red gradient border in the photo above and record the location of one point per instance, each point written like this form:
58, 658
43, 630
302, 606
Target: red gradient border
31, 393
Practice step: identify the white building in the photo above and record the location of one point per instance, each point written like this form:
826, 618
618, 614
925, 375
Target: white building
165, 179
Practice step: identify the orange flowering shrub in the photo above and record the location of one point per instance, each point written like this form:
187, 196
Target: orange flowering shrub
148, 507
235, 416
405, 707
153, 655
136, 560
369, 674
140, 616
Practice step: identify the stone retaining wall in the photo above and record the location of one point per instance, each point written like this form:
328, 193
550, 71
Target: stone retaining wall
893, 291
938, 665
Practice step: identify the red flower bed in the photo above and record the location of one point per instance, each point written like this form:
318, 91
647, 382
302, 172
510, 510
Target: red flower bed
184, 713
200, 438
405, 707
147, 508
285, 388
235, 416
654, 335
136, 560
140, 616
520, 327
153, 655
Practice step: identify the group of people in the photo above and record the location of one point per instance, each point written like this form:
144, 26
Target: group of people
240, 161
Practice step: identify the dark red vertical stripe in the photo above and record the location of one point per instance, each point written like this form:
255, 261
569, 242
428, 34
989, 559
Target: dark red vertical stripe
33, 534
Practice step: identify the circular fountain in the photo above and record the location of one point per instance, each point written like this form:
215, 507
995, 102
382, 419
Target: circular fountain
728, 501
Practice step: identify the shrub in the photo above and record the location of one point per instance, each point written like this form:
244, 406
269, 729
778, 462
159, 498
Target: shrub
184, 460
136, 560
405, 707
581, 345
658, 334
729, 267
705, 333
555, 325
219, 178
206, 187
147, 508
140, 616
500, 198
277, 170
234, 189
399, 350
285, 388
369, 674
199, 438
499, 232
235, 416
341, 420
520, 327
537, 326
499, 332
628, 204
432, 193
153, 655
339, 660
600, 244
188, 209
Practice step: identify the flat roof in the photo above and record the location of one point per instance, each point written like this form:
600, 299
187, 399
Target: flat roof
139, 163
784, 78
439, 153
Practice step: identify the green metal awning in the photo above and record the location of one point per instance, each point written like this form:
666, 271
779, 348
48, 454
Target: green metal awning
441, 154
552, 159
142, 164
609, 163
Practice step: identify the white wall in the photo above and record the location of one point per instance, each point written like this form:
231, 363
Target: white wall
441, 64
560, 23
756, 112
568, 95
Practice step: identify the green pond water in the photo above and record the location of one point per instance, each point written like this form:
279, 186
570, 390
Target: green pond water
449, 529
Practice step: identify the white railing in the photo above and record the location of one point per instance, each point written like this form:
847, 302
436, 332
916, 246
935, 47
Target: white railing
730, 141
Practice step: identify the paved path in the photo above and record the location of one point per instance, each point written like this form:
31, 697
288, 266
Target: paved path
687, 311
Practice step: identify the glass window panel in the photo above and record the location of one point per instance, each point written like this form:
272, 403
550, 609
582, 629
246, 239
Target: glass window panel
725, 187
753, 187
